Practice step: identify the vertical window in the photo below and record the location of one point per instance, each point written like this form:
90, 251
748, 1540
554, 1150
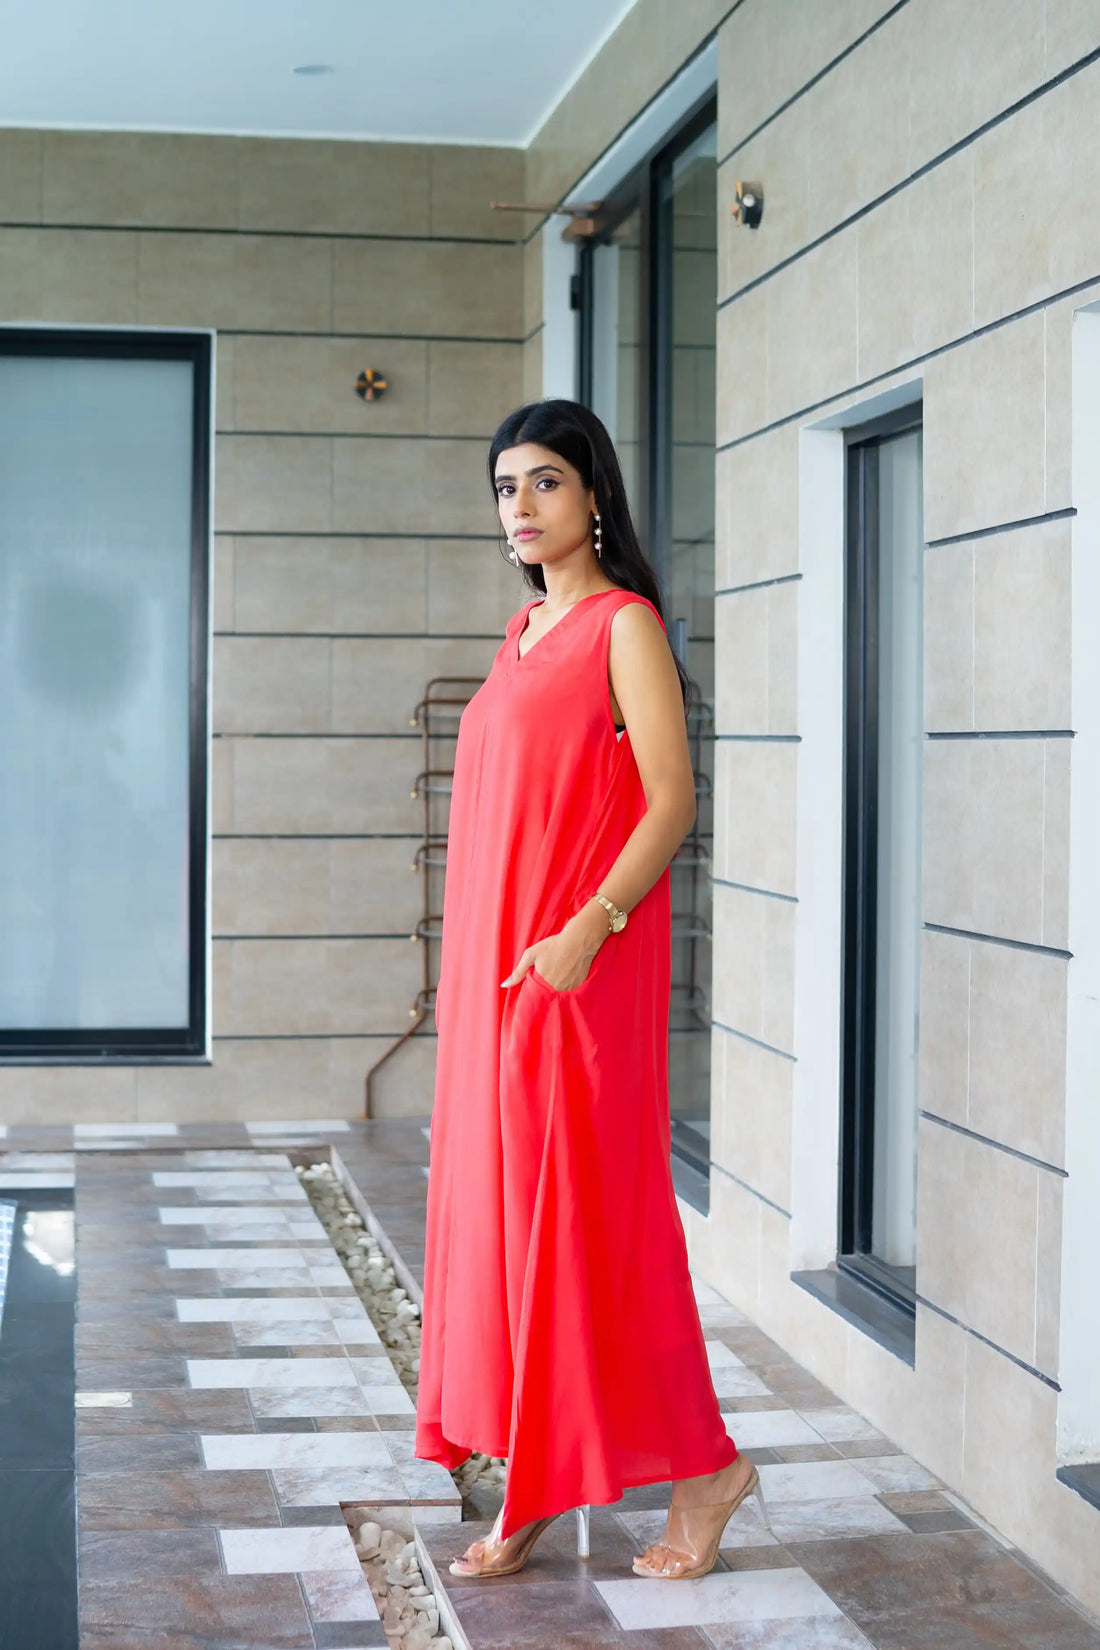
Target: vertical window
882, 835
648, 285
103, 666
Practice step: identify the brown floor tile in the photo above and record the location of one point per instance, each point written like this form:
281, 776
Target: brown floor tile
168, 1411
191, 1340
889, 1575
182, 1499
536, 1611
143, 1453
130, 1374
806, 1452
194, 1613
115, 1555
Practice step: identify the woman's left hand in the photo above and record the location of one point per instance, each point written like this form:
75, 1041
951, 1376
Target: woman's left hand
563, 959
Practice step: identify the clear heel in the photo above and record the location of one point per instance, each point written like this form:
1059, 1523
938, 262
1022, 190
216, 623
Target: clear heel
583, 1548
758, 1493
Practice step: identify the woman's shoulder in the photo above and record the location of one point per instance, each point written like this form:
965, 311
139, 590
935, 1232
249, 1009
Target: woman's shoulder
633, 600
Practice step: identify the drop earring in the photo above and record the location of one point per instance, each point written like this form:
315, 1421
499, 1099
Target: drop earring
598, 535
513, 553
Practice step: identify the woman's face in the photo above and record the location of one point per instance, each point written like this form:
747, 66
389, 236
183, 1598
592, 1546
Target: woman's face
545, 508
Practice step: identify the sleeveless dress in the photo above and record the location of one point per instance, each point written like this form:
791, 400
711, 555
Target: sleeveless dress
559, 1324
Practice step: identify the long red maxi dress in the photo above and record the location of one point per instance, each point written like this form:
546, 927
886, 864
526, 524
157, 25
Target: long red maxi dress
559, 1323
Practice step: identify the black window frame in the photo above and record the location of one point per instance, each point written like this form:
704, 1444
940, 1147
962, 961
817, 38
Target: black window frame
134, 1045
860, 855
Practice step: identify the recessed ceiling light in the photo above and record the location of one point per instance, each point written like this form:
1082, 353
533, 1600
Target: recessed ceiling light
315, 68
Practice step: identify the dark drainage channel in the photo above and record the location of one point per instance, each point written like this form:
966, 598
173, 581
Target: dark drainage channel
37, 1395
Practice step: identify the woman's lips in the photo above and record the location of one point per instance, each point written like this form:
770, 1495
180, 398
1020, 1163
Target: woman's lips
529, 533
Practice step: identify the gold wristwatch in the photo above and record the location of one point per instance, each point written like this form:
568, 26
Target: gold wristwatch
616, 918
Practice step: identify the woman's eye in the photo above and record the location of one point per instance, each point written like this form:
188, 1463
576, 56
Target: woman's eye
503, 490
548, 481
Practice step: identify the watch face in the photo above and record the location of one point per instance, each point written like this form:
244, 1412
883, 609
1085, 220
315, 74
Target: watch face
619, 923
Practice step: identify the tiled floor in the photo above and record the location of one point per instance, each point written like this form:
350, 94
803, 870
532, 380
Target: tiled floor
233, 1393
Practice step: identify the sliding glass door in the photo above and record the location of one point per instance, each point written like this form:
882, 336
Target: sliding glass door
104, 444
648, 284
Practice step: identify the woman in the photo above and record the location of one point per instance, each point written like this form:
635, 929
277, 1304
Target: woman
559, 1323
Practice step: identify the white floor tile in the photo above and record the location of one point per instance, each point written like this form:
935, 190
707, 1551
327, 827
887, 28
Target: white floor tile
769, 1429
284, 1551
281, 1403
333, 1595
731, 1382
838, 1633
244, 1214
813, 1481
330, 1275
288, 1332
897, 1474
389, 1400
227, 1260
279, 1372
237, 1159
705, 1295
321, 1487
840, 1425
223, 1452
719, 1356
107, 1131
851, 1516
30, 1180
203, 1309
741, 1596
319, 1125
375, 1372
212, 1177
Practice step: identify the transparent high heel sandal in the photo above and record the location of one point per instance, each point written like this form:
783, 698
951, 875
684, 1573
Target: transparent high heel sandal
504, 1558
694, 1534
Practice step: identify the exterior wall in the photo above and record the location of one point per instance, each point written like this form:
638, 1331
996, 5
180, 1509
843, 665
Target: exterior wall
952, 284
355, 554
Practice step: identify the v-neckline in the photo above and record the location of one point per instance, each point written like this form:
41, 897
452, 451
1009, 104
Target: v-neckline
520, 657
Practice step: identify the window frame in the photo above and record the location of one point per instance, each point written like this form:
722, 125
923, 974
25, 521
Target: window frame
133, 1045
859, 879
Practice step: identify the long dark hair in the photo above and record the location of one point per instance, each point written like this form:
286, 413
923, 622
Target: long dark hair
575, 433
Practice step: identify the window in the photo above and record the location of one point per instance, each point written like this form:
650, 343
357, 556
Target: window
883, 739
104, 473
648, 285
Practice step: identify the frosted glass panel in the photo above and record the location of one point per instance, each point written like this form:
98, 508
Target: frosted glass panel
95, 601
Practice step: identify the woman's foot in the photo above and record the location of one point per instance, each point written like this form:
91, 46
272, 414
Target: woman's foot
687, 1539
492, 1556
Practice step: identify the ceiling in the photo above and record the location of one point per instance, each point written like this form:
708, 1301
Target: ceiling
442, 71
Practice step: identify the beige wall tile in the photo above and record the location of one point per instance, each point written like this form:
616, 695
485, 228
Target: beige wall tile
334, 187
270, 887
1003, 1401
20, 176
222, 785
1048, 1273
472, 386
69, 276
985, 841
751, 1117
1071, 31
757, 843
333, 585
168, 179
753, 987
949, 638
1022, 628
742, 344
404, 1086
273, 483
275, 684
1056, 843
976, 1232
407, 486
67, 1094
316, 987
304, 384
916, 268
429, 289
984, 434
1018, 1049
953, 91
258, 282
813, 327
533, 254
373, 888
471, 587
756, 656
224, 392
533, 379
377, 684
945, 1025
783, 159
339, 785
465, 179
757, 509
222, 558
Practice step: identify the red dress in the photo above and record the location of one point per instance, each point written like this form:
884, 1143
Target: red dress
559, 1323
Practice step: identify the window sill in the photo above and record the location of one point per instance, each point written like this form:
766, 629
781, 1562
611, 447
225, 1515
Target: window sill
858, 1304
1085, 1480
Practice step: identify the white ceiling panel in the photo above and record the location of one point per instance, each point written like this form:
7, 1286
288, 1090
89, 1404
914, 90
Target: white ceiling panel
441, 71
